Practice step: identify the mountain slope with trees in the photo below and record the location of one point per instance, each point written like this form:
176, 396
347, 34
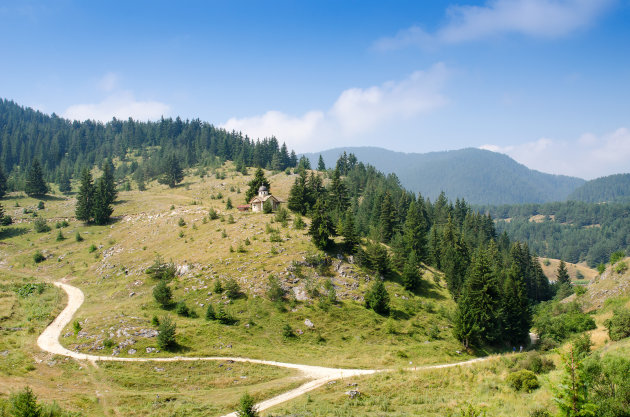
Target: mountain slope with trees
479, 176
613, 188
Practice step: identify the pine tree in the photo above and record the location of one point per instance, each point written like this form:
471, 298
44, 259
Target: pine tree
162, 294
172, 173
377, 297
482, 294
35, 185
465, 327
410, 274
321, 166
24, 404
166, 334
572, 393
298, 195
110, 183
101, 207
562, 274
349, 233
64, 184
3, 183
338, 194
387, 218
321, 228
85, 198
258, 180
414, 233
515, 312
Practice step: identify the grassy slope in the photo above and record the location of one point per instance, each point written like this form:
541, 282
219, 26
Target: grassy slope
119, 300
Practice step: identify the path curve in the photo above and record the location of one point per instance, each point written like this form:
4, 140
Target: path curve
319, 375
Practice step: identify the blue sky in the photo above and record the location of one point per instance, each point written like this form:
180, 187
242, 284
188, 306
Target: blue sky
544, 81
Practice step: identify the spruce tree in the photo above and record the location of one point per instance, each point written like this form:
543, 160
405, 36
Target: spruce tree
515, 312
85, 198
3, 183
562, 274
410, 274
321, 166
35, 185
64, 184
377, 297
349, 233
258, 180
172, 173
298, 195
338, 194
166, 334
110, 183
414, 233
101, 207
321, 228
387, 218
466, 327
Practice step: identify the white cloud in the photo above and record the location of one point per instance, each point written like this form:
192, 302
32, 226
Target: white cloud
589, 156
535, 18
356, 111
120, 105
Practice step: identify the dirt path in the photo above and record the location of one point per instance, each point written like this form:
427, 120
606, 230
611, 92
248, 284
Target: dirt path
49, 342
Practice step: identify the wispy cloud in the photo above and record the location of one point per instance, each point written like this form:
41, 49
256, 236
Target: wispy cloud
589, 156
534, 18
118, 103
355, 111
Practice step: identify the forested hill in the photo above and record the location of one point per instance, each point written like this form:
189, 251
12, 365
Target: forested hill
613, 188
479, 176
63, 147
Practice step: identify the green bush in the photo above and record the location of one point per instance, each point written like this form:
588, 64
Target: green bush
182, 309
181, 222
161, 270
579, 290
78, 237
108, 343
76, 326
247, 407
232, 289
619, 324
523, 380
24, 404
166, 334
621, 267
535, 362
617, 256
210, 314
267, 207
41, 226
41, 206
38, 257
287, 331
92, 248
60, 236
212, 214
557, 321
377, 297
275, 292
539, 412
162, 294
298, 223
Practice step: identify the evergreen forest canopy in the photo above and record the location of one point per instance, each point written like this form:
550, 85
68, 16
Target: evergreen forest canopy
613, 188
572, 231
63, 148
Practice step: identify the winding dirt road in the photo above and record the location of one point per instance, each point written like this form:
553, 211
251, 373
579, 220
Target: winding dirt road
49, 342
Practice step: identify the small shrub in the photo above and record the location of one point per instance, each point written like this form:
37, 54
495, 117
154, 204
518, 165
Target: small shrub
180, 234
41, 226
282, 215
181, 222
241, 249
621, 267
166, 334
579, 290
617, 256
601, 268
38, 257
6, 220
182, 309
471, 411
231, 249
539, 412
230, 219
535, 362
78, 237
218, 287
23, 404
210, 314
247, 407
287, 331
267, 207
212, 214
161, 270
155, 321
247, 242
108, 343
232, 289
60, 236
223, 234
162, 294
92, 248
223, 316
228, 204
275, 292
298, 223
546, 262
76, 327
172, 207
41, 206
523, 380
619, 324
582, 345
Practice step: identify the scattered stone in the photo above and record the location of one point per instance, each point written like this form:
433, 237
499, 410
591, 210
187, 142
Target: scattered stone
151, 350
331, 383
353, 393
156, 369
132, 351
4, 353
299, 331
309, 324
131, 294
352, 384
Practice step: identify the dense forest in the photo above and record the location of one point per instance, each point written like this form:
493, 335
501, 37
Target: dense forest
63, 148
494, 281
477, 175
572, 231
613, 188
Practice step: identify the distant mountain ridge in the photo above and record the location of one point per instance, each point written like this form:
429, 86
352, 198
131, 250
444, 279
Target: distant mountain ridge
613, 188
477, 175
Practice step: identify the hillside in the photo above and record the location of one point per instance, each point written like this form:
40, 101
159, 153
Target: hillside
109, 265
613, 188
478, 176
